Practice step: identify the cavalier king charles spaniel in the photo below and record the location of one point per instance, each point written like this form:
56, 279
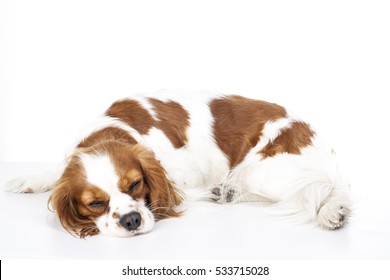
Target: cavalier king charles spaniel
138, 161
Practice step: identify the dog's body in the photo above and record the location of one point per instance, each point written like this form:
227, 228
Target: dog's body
135, 164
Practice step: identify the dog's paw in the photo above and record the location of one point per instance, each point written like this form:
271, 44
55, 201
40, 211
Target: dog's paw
333, 215
222, 193
27, 184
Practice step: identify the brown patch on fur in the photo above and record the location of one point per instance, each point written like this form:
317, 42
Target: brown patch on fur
173, 120
28, 190
107, 134
91, 194
115, 215
238, 124
132, 113
140, 191
291, 140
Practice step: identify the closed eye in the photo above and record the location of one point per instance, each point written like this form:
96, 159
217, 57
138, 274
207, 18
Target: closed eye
134, 185
96, 204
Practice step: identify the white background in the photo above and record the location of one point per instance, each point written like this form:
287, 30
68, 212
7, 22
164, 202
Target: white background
64, 62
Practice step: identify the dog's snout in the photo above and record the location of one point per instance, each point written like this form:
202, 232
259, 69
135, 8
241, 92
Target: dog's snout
131, 221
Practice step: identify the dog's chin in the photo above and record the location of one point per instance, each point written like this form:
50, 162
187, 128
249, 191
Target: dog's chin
122, 232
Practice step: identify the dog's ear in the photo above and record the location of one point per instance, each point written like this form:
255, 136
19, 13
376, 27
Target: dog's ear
163, 195
64, 203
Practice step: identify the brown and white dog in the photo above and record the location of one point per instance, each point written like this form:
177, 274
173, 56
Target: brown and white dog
135, 164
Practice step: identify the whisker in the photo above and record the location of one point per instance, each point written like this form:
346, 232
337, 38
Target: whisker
152, 203
160, 208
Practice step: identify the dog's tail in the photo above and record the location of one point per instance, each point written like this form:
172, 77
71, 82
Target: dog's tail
320, 198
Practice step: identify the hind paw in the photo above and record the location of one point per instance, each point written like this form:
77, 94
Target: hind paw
223, 194
333, 215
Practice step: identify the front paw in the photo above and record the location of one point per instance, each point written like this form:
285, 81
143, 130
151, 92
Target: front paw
26, 184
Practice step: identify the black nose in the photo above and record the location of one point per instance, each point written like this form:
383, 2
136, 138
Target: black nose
131, 221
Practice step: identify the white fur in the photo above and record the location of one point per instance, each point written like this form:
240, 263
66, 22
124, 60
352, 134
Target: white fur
307, 186
303, 186
106, 178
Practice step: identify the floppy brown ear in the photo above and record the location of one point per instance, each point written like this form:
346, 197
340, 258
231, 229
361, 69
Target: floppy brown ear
64, 204
163, 196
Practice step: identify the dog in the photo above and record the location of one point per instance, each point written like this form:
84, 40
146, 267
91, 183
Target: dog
136, 164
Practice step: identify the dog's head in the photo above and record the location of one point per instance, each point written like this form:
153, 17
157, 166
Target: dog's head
114, 188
